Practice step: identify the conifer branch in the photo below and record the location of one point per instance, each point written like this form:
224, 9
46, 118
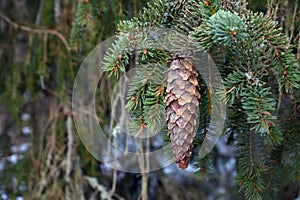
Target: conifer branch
252, 55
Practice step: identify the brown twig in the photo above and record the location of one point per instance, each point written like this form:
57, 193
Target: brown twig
134, 8
272, 10
37, 31
251, 150
39, 13
292, 28
298, 49
120, 13
69, 148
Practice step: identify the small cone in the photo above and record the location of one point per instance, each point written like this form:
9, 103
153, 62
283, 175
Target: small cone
182, 108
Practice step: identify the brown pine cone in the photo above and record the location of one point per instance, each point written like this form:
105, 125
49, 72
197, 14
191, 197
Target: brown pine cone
182, 104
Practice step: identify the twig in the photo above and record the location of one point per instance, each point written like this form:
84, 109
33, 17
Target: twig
92, 181
145, 175
292, 28
114, 183
45, 40
134, 8
298, 49
251, 150
143, 160
57, 10
120, 13
39, 12
272, 10
69, 148
37, 31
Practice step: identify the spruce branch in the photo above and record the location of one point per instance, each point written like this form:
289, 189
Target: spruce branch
251, 53
250, 172
146, 94
287, 71
118, 56
84, 16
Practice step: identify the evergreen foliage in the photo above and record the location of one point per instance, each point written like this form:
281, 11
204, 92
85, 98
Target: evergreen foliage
257, 62
150, 87
257, 65
37, 69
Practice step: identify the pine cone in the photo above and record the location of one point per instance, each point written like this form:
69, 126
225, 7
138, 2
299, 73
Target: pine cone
182, 108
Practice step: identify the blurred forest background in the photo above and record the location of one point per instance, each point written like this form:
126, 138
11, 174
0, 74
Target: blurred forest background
42, 45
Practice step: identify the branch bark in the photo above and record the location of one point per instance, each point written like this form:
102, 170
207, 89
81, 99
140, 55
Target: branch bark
37, 31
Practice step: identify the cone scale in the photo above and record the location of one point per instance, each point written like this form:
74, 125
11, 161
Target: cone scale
182, 103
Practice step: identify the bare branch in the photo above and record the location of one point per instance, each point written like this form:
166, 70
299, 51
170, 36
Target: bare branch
69, 148
37, 31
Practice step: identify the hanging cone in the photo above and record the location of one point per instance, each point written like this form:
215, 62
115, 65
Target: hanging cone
182, 104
